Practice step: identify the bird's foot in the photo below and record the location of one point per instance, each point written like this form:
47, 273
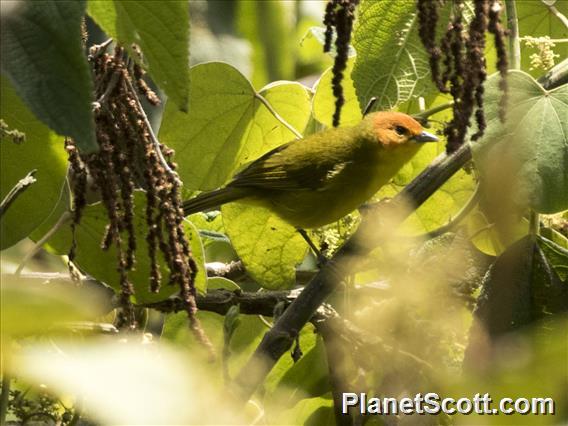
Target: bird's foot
322, 260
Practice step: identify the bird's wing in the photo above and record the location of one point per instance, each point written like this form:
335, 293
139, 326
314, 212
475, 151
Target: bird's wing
290, 168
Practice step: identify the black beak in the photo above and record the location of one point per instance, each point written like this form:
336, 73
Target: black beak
425, 137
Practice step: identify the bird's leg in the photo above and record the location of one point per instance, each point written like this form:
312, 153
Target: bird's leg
322, 260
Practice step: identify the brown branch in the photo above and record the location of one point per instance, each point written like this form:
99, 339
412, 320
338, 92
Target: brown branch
231, 270
221, 300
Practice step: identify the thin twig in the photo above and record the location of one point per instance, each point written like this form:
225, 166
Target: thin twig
559, 15
263, 100
424, 115
109, 88
99, 49
231, 270
65, 218
16, 191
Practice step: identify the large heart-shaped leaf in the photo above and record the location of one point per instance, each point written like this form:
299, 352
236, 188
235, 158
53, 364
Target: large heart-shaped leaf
531, 146
227, 125
269, 247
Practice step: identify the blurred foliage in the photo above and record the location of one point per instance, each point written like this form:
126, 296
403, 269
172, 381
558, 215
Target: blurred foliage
487, 290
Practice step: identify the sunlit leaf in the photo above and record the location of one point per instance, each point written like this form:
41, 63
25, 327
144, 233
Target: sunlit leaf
526, 156
161, 29
42, 151
227, 125
324, 101
269, 247
555, 236
31, 307
43, 57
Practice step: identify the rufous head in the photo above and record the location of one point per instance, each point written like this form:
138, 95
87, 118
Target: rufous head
396, 128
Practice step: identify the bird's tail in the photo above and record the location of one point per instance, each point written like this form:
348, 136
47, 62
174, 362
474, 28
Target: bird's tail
212, 199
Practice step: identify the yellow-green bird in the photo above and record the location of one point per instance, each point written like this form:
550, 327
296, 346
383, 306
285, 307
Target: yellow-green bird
317, 180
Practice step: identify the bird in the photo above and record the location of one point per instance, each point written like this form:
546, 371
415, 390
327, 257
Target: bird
319, 179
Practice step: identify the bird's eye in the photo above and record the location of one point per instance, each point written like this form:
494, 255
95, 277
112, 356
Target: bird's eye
400, 130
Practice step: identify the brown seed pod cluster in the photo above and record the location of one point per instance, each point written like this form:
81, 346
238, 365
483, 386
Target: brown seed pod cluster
339, 14
459, 60
131, 158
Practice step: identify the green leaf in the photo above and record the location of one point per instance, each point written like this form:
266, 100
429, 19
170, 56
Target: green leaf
530, 148
269, 247
391, 63
161, 29
324, 102
33, 307
43, 151
43, 57
102, 264
306, 377
227, 126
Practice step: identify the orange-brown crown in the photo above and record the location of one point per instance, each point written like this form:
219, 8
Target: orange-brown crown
394, 128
